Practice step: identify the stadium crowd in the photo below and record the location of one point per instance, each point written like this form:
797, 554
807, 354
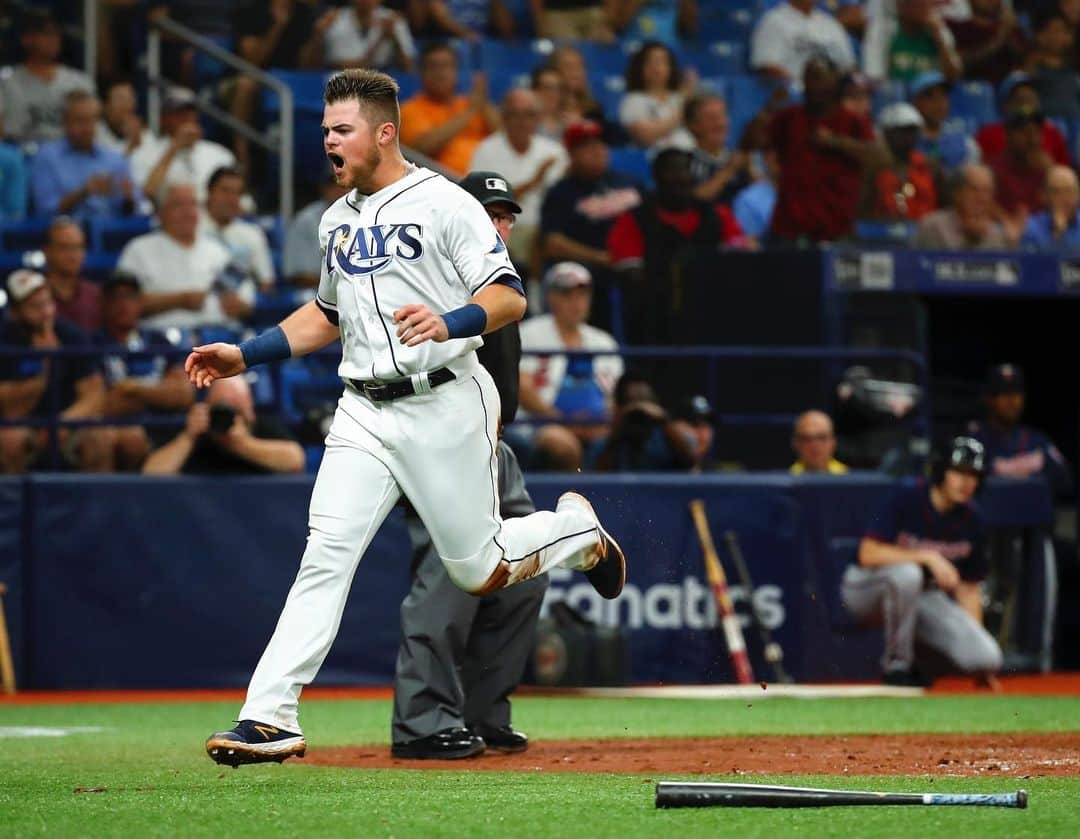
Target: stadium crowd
636, 135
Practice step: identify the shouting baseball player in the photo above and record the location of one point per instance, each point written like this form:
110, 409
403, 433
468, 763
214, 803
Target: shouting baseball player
461, 656
413, 275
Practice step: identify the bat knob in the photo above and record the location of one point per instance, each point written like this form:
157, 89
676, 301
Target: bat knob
773, 653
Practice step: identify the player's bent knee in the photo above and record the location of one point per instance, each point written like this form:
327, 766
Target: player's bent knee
906, 578
477, 577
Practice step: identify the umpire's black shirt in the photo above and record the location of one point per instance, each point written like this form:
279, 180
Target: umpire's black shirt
501, 357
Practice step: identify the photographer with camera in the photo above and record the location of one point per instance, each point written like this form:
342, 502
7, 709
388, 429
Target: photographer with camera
644, 438
223, 436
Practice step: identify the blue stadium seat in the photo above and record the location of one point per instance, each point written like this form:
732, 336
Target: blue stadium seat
884, 232
633, 162
307, 90
274, 229
720, 58
208, 69
716, 85
717, 21
887, 92
408, 85
25, 234
109, 235
509, 64
606, 59
747, 95
974, 103
608, 92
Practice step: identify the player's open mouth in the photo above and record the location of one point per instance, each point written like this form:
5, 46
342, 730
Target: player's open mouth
336, 159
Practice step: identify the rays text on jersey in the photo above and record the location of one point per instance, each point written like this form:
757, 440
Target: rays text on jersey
370, 249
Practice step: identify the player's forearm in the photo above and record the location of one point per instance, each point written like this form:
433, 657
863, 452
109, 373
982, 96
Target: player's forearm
502, 304
874, 554
969, 598
307, 329
275, 455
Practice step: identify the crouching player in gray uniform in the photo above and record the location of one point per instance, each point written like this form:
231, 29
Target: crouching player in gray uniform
462, 656
921, 563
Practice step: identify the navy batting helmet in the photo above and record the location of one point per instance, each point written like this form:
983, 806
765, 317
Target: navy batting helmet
965, 454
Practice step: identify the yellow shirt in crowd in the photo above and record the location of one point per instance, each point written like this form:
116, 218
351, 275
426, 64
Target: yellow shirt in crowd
835, 467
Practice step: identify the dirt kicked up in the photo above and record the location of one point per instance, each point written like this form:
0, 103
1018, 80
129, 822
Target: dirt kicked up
966, 755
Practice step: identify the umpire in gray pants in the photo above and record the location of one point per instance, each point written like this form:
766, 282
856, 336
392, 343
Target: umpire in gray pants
921, 563
462, 656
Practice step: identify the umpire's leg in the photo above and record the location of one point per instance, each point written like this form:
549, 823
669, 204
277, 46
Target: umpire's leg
504, 630
436, 618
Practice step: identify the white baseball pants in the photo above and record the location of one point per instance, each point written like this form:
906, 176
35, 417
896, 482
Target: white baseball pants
437, 448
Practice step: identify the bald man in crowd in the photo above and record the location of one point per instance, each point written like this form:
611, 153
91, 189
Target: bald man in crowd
814, 442
1058, 226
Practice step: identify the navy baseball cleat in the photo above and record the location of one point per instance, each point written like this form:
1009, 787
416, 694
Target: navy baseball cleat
608, 575
254, 742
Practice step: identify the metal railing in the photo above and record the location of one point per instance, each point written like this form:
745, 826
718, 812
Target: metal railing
284, 142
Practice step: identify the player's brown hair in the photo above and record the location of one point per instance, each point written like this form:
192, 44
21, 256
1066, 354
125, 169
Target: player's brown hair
376, 93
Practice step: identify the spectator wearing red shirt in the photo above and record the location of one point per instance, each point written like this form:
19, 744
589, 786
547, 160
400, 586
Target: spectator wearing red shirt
665, 236
77, 299
991, 42
1020, 170
905, 189
822, 148
1019, 92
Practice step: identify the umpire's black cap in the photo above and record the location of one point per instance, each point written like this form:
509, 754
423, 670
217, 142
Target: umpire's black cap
490, 188
1004, 378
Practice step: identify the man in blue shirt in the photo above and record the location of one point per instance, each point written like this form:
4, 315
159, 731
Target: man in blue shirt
77, 177
1058, 226
13, 180
35, 386
920, 568
1014, 450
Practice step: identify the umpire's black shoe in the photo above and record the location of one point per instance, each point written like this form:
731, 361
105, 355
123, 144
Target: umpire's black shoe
254, 742
448, 744
608, 575
502, 739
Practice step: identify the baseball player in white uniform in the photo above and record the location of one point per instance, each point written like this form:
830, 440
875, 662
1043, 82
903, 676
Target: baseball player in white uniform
413, 274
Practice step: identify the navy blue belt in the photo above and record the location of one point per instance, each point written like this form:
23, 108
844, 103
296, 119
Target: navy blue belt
378, 391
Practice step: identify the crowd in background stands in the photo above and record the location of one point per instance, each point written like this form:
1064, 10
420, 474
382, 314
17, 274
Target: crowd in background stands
854, 125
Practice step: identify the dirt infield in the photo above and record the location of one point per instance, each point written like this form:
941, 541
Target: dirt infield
986, 755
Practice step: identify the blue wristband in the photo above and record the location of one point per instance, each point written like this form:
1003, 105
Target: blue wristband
467, 321
272, 345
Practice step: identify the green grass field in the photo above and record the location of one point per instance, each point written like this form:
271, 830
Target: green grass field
159, 782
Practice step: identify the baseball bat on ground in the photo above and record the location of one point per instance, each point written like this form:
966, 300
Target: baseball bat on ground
680, 794
773, 652
725, 608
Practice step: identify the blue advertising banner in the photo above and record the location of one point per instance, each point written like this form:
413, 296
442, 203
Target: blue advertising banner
178, 582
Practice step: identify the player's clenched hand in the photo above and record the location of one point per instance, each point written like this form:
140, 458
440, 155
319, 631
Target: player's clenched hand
944, 572
417, 323
213, 361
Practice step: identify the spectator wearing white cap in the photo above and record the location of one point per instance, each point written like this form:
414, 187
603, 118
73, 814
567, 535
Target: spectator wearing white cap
904, 187
36, 387
184, 156
559, 386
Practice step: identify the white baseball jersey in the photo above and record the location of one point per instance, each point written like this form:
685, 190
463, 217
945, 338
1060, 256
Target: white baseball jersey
422, 239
